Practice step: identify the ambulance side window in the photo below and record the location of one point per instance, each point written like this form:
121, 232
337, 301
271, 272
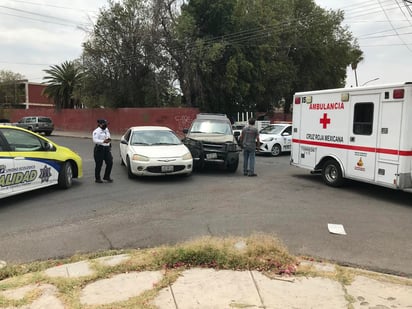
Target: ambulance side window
363, 119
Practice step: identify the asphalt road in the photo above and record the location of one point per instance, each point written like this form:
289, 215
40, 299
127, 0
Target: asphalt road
283, 200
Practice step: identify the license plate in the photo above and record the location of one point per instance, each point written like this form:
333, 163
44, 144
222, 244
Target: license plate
212, 155
167, 168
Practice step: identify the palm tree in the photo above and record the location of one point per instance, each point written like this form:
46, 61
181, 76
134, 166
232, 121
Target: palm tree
62, 82
357, 56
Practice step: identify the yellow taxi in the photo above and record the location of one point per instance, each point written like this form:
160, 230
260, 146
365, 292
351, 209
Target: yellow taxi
29, 161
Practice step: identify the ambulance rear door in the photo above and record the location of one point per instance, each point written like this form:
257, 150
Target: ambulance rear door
363, 127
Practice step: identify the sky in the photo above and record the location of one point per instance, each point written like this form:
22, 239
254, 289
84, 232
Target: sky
35, 34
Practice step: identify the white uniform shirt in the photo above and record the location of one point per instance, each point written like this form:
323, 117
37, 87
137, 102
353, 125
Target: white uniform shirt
99, 135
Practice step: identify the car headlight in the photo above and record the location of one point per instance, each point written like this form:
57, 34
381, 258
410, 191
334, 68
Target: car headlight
137, 157
269, 139
187, 156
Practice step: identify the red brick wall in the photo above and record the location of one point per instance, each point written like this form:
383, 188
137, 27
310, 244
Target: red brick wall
35, 94
85, 120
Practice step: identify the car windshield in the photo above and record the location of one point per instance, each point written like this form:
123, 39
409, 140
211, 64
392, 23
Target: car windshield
44, 119
154, 137
211, 127
238, 127
272, 129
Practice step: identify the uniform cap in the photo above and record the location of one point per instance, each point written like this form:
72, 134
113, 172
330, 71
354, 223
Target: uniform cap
101, 121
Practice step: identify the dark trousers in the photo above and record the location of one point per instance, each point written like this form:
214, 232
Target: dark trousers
103, 153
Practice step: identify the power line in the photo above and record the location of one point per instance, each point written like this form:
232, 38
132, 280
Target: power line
394, 29
54, 6
259, 33
36, 14
40, 20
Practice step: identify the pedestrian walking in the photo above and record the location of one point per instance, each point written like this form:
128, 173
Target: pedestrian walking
102, 151
249, 140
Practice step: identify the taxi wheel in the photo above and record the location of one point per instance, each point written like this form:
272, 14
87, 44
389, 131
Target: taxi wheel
66, 176
276, 150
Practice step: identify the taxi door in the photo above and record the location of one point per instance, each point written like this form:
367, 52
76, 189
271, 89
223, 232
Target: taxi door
6, 165
287, 138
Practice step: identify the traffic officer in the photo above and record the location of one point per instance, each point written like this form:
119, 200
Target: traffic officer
102, 151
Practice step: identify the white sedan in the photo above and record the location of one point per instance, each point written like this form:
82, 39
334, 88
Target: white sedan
275, 138
154, 151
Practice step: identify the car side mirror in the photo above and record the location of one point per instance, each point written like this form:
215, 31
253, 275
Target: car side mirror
185, 131
123, 141
48, 146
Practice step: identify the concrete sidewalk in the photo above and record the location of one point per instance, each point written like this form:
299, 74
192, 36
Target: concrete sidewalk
328, 286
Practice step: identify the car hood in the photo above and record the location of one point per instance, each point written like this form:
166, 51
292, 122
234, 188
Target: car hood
265, 136
161, 151
211, 138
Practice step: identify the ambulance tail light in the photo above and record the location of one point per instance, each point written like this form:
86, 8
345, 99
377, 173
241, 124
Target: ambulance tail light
398, 93
297, 100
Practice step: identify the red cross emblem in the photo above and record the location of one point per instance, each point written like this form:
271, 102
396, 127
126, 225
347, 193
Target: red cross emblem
325, 120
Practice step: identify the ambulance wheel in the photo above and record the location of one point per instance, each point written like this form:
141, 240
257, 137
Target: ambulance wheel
332, 174
275, 151
66, 176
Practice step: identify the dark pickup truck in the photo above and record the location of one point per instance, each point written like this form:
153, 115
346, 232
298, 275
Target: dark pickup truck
210, 139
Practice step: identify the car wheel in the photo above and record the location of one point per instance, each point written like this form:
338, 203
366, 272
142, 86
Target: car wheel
232, 167
66, 176
332, 174
129, 168
276, 150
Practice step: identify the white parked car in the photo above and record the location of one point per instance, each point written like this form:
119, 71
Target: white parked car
154, 151
275, 138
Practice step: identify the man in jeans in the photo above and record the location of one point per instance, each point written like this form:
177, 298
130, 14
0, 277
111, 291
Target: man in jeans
249, 139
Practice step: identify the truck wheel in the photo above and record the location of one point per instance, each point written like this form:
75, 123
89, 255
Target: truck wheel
66, 176
276, 150
232, 167
332, 174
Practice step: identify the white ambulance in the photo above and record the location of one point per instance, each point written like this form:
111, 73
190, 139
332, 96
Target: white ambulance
362, 133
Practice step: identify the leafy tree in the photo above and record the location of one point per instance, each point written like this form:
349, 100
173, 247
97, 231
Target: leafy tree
62, 82
122, 57
225, 55
247, 55
322, 49
11, 90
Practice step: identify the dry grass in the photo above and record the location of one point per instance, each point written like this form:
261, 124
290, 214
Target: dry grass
257, 252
